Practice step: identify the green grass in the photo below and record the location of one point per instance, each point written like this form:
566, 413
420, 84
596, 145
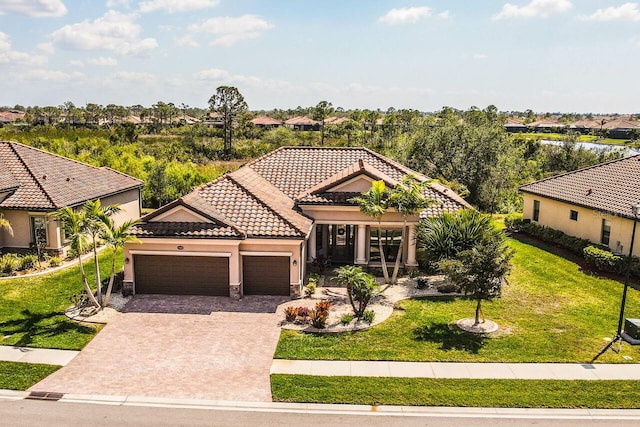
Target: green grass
32, 308
456, 392
551, 311
21, 376
581, 138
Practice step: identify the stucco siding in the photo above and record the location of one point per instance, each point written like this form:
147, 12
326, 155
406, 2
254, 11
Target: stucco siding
556, 214
129, 202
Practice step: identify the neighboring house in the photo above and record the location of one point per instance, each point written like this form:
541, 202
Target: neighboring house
302, 123
34, 183
253, 231
514, 126
551, 125
266, 122
593, 203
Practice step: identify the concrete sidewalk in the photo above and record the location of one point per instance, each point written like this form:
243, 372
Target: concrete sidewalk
46, 356
523, 371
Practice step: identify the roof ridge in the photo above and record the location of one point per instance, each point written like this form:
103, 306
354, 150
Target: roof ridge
405, 170
31, 174
581, 170
261, 202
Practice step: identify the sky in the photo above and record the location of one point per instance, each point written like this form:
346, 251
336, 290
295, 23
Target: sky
547, 55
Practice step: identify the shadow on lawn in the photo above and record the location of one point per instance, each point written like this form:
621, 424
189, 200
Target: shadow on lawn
34, 325
450, 337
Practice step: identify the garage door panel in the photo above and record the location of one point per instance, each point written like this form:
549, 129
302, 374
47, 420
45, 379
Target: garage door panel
265, 275
181, 275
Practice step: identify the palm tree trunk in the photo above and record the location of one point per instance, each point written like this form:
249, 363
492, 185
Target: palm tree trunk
97, 266
86, 284
107, 295
396, 267
385, 271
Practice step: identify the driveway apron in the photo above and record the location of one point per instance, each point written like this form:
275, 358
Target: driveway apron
181, 347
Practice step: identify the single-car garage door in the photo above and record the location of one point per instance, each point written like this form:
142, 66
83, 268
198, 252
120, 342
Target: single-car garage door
265, 275
181, 275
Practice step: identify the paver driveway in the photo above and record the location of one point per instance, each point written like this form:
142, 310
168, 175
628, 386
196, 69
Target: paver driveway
180, 347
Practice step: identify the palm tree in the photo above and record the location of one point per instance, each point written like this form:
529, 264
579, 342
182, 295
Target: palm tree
93, 212
373, 204
115, 237
74, 224
408, 199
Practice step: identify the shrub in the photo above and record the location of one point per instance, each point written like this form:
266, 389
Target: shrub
346, 319
447, 288
603, 259
318, 318
54, 261
421, 282
310, 289
368, 316
28, 262
323, 305
557, 237
290, 314
513, 221
9, 263
303, 313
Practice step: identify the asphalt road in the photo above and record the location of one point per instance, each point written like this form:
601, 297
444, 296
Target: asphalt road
52, 414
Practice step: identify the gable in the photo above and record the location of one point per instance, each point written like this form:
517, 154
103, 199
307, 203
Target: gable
180, 214
358, 184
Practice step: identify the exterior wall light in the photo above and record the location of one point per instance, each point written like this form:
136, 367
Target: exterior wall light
180, 247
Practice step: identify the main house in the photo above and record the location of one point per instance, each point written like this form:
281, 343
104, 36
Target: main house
255, 230
593, 203
34, 183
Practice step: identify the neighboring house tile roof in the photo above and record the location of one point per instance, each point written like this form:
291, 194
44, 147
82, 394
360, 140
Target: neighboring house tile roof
266, 121
261, 199
46, 182
609, 187
301, 120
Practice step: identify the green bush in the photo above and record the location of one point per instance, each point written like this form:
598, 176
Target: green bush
368, 316
346, 319
310, 289
557, 237
28, 262
9, 264
54, 261
603, 259
513, 221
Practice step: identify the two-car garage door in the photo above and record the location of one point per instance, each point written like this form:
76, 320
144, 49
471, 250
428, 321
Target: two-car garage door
205, 275
181, 275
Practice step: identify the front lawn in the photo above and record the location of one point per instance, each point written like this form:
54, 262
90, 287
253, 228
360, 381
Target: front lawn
21, 376
551, 311
456, 392
32, 308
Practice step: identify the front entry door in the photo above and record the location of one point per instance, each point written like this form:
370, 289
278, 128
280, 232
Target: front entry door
341, 242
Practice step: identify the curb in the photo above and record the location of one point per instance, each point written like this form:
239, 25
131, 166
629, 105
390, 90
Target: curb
340, 409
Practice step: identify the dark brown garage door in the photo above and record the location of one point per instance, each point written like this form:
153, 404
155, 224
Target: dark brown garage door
181, 275
265, 275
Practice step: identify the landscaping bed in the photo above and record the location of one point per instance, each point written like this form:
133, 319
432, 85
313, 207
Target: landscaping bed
456, 392
551, 311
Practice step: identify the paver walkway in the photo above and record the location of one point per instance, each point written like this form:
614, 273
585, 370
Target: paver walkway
524, 371
47, 356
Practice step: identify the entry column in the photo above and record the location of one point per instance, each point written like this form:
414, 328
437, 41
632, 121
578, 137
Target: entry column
311, 245
361, 247
411, 241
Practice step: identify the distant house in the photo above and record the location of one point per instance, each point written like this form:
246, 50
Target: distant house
514, 126
11, 116
266, 122
592, 203
547, 126
213, 119
302, 123
34, 183
621, 128
586, 126
335, 121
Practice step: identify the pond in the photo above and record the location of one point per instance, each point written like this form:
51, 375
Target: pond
593, 146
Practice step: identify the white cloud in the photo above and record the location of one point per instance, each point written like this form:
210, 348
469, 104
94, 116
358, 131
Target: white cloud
76, 63
114, 31
405, 15
46, 48
186, 41
212, 74
33, 8
103, 61
231, 30
173, 6
535, 8
13, 57
625, 12
132, 76
112, 4
51, 75
225, 77
443, 15
480, 56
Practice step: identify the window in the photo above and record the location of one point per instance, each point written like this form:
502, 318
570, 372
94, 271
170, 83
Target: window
38, 230
536, 210
573, 215
606, 232
390, 244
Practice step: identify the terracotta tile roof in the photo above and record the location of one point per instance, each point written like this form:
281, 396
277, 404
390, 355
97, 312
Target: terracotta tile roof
266, 121
547, 124
335, 120
621, 124
609, 187
195, 230
301, 120
47, 182
259, 199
